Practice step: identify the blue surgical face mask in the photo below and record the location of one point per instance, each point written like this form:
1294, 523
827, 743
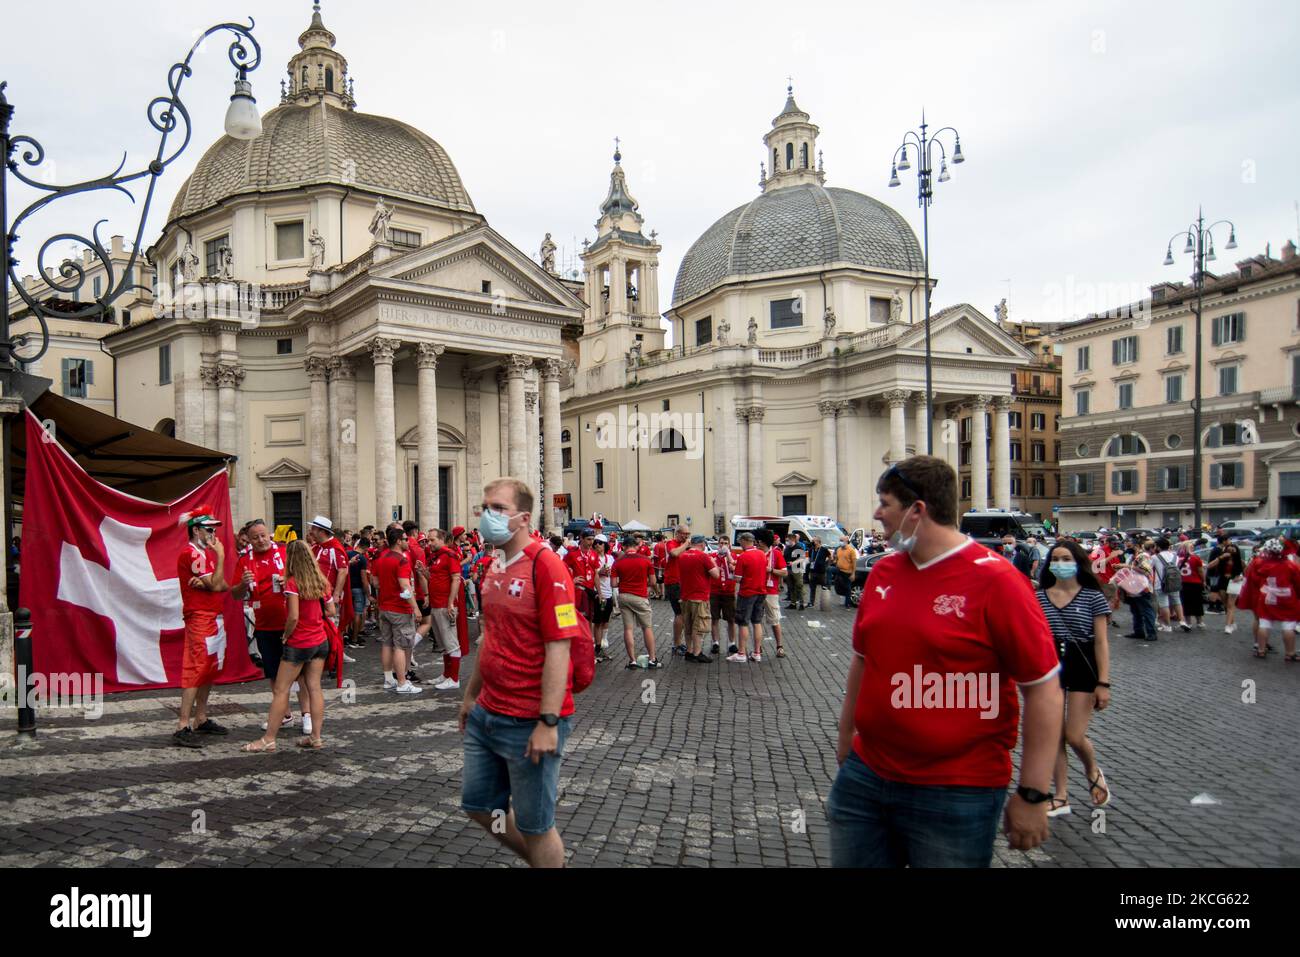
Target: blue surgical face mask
904, 543
1064, 570
494, 527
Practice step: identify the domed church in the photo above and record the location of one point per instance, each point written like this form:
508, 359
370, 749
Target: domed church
797, 366
332, 310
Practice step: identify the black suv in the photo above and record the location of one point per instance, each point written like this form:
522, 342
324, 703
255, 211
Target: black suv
576, 527
989, 525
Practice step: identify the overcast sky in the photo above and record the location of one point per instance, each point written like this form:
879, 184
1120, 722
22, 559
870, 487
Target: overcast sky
1091, 130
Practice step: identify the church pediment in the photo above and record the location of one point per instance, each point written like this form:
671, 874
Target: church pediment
964, 330
462, 263
794, 480
284, 469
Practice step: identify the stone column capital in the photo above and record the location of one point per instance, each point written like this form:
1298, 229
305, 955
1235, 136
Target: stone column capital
551, 369
981, 402
742, 413
208, 373
518, 366
848, 407
828, 408
427, 354
317, 368
230, 375
383, 350
473, 378
1003, 403
756, 413
952, 410
897, 398
502, 379
342, 369
530, 401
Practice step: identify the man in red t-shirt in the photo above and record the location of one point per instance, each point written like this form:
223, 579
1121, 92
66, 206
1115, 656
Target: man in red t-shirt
776, 573
260, 577
944, 634
722, 598
751, 595
444, 602
659, 556
520, 697
583, 564
697, 573
398, 612
332, 558
673, 583
632, 575
417, 550
201, 571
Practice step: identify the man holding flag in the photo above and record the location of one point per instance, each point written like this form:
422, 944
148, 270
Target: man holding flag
200, 568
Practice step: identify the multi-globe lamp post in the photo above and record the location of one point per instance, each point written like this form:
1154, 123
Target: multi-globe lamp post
1200, 244
169, 116
925, 145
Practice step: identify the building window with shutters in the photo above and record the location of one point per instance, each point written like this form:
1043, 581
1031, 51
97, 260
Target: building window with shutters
1039, 486
99, 286
1174, 340
164, 365
78, 375
1173, 388
1038, 421
963, 455
1124, 351
1126, 395
965, 488
1084, 355
704, 331
1171, 478
1038, 452
1227, 475
1082, 402
1228, 330
1014, 420
405, 238
1015, 486
1016, 455
1227, 380
1124, 481
1081, 483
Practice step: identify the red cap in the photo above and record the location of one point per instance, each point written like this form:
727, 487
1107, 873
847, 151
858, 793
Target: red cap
458, 531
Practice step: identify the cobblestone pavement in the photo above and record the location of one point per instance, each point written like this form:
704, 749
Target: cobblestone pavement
694, 765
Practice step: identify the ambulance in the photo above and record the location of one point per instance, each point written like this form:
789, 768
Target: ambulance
806, 527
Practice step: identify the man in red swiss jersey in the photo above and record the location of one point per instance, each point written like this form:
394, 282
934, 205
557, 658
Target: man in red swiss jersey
201, 570
444, 595
332, 558
631, 575
398, 612
673, 583
751, 594
944, 634
516, 711
260, 581
776, 573
583, 564
697, 573
722, 598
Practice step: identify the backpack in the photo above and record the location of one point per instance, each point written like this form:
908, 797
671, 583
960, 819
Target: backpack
582, 647
1171, 579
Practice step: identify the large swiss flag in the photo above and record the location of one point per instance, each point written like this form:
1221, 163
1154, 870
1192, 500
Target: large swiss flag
99, 575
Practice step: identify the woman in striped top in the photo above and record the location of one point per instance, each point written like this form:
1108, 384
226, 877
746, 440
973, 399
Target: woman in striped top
1077, 611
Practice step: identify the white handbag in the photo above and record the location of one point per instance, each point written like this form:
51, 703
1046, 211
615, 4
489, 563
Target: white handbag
1234, 587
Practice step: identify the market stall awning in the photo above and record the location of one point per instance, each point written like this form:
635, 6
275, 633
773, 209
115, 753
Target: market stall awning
128, 457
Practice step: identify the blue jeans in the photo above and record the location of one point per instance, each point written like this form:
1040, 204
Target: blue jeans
1144, 614
498, 776
879, 823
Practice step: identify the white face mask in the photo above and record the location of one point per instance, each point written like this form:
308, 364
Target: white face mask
905, 543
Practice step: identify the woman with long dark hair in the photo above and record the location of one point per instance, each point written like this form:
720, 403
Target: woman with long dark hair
307, 603
1077, 611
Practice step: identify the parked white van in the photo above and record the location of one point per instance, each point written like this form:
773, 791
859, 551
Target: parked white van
806, 526
1254, 524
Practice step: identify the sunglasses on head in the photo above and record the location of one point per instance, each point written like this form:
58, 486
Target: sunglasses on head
895, 472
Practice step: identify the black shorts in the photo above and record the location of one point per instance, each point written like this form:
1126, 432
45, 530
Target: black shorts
269, 647
723, 608
659, 576
1079, 666
673, 593
749, 609
604, 608
298, 656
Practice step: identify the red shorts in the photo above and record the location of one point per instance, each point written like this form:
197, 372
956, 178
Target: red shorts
205, 648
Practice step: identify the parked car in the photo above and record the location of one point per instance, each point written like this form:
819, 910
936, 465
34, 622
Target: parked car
863, 569
579, 525
987, 526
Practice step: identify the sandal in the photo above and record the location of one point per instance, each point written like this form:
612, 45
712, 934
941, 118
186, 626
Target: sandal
1057, 806
1291, 658
1258, 654
780, 651
314, 743
258, 746
1099, 784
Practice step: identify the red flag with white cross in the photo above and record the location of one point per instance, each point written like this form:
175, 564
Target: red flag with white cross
99, 576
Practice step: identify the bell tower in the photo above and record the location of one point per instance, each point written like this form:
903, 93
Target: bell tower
791, 149
622, 279
318, 73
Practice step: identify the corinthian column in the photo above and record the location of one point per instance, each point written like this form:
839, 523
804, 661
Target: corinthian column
922, 427
343, 383
318, 492
426, 364
382, 352
209, 376
533, 441
847, 509
949, 435
897, 399
830, 458
756, 482
742, 458
503, 424
229, 376
516, 368
979, 455
1002, 452
473, 434
551, 471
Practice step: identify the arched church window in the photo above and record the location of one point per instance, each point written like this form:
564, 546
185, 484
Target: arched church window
776, 159
803, 156
304, 77
789, 156
329, 85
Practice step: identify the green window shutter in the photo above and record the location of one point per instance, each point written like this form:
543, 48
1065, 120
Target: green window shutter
1216, 335
1114, 482
1114, 352
1241, 327
1160, 478
1182, 477
90, 372
64, 366
1216, 475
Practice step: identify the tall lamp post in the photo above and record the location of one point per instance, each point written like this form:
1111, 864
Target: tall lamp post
925, 193
1200, 243
169, 116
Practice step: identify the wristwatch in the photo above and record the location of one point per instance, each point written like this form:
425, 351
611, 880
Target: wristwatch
550, 720
1032, 795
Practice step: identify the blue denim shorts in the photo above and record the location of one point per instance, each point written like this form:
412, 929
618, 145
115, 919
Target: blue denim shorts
880, 823
358, 600
498, 776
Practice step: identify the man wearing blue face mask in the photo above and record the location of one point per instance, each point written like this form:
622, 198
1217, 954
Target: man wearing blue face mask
1018, 556
945, 633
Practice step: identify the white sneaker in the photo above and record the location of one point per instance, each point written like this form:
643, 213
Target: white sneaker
306, 724
737, 658
408, 688
1166, 628
390, 685
604, 644
348, 659
1229, 629
288, 720
756, 659
446, 684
